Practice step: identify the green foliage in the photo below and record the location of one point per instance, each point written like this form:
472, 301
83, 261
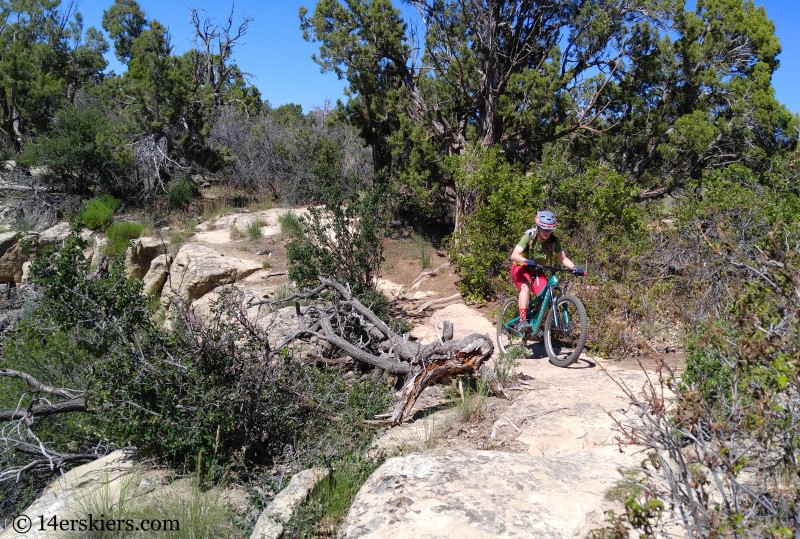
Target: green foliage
600, 200
253, 229
628, 487
473, 395
330, 500
75, 152
181, 192
509, 202
291, 226
99, 212
343, 240
422, 251
209, 383
44, 58
735, 200
119, 236
504, 364
124, 21
706, 368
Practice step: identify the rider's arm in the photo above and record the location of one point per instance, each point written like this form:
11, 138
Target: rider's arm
565, 261
516, 255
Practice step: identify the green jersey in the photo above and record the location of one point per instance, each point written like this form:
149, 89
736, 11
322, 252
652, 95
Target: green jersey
542, 253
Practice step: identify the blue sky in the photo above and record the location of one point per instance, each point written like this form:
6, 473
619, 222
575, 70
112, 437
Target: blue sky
280, 60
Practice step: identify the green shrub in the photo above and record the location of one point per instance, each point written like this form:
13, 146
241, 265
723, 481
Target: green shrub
507, 205
181, 192
504, 364
474, 393
203, 379
330, 500
110, 201
77, 152
344, 240
98, 213
119, 236
291, 227
253, 229
422, 251
235, 233
706, 368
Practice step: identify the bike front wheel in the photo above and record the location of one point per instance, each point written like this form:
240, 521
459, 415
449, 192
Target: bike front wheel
507, 336
566, 332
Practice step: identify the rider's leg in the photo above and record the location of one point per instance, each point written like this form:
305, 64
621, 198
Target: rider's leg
522, 281
523, 303
524, 296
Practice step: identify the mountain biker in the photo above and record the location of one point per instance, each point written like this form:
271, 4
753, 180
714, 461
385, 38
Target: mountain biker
536, 247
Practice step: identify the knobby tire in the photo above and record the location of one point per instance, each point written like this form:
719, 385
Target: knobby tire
563, 348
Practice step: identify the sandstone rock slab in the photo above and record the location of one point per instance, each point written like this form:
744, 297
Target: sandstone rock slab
156, 276
11, 265
140, 254
7, 241
198, 269
55, 235
218, 231
98, 250
59, 497
476, 494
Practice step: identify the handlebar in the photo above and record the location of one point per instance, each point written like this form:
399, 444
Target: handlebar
555, 269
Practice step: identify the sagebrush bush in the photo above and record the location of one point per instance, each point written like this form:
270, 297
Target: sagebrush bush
291, 226
253, 229
78, 151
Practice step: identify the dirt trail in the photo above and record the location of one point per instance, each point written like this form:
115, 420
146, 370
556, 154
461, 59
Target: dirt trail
557, 416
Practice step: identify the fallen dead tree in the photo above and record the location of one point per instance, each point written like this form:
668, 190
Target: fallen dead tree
355, 329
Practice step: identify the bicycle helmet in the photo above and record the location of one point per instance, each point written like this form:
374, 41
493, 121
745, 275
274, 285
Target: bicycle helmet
545, 220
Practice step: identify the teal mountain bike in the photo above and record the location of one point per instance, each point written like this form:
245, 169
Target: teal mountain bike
564, 317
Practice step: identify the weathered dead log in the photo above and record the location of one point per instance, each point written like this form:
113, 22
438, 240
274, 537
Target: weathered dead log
447, 331
437, 360
425, 274
355, 330
41, 410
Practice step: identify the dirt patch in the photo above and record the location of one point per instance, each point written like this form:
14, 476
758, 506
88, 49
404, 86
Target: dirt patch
403, 263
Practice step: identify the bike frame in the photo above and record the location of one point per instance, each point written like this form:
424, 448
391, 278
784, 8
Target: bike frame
545, 300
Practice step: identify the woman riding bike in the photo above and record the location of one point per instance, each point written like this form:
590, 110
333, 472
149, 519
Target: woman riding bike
538, 246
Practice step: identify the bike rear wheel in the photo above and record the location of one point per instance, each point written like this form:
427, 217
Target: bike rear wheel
507, 337
564, 340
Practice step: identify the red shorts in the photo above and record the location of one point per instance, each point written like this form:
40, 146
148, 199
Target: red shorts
525, 274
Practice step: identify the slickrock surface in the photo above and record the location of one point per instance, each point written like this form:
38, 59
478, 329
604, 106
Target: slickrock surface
555, 489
